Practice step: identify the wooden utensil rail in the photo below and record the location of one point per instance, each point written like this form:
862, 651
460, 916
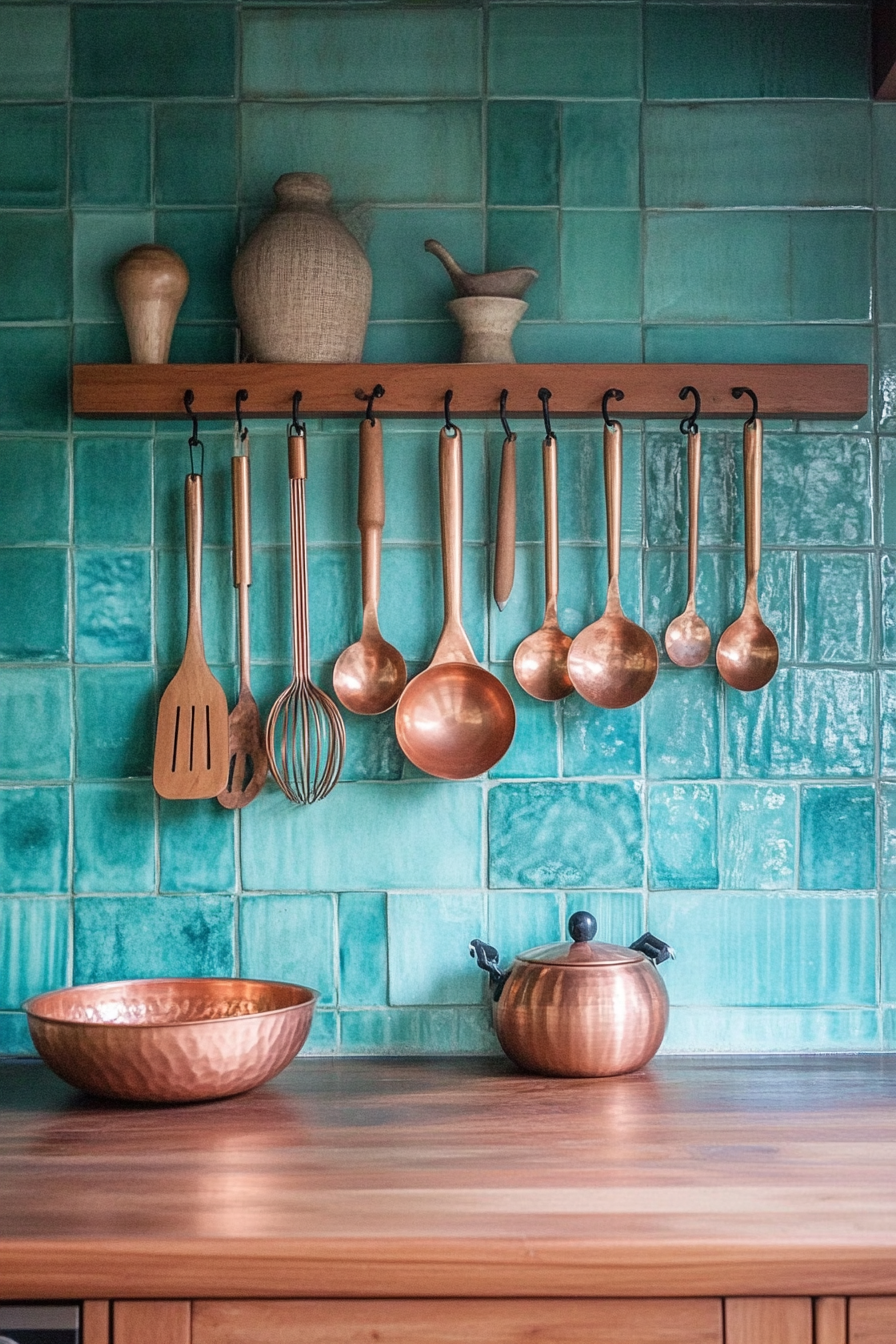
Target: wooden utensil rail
157, 390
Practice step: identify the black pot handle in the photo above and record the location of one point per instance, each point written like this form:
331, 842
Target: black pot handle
654, 948
487, 960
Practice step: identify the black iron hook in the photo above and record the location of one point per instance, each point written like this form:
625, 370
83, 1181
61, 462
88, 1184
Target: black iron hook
748, 391
502, 411
616, 396
544, 397
378, 391
689, 423
449, 425
241, 396
194, 440
295, 427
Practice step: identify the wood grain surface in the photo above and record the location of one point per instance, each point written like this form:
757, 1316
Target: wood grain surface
872, 1320
154, 1323
754, 1320
461, 1178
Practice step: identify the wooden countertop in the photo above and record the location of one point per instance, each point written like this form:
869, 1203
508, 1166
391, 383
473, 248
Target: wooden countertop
459, 1177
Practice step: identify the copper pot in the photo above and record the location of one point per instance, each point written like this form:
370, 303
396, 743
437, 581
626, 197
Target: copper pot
579, 1009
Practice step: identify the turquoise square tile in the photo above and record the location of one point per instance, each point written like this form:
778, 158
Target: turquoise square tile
805, 723
414, 627
475, 1034
518, 920
323, 1038
523, 153
819, 292
111, 154
371, 749
838, 838
34, 41
269, 609
886, 393
147, 51
35, 723
407, 281
116, 711
102, 343
35, 267
887, 682
716, 266
33, 604
435, 149
404, 1031
533, 753
600, 262
887, 834
113, 491
207, 241
196, 846
363, 968
15, 1039
886, 280
140, 937
195, 153
721, 489
700, 1030
113, 606
736, 342
681, 718
115, 841
600, 741
412, 343
101, 239
884, 122
270, 489
429, 947
836, 608
34, 839
218, 605
757, 836
204, 343
888, 958
416, 834
817, 489
290, 938
544, 835
412, 485
683, 836
741, 51
578, 343
35, 497
329, 51
528, 238
32, 156
172, 463
601, 154
619, 914
558, 51
36, 939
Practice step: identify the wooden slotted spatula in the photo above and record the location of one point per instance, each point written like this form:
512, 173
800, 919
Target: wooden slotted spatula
191, 756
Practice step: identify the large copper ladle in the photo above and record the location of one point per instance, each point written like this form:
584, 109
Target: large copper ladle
688, 640
747, 653
613, 662
455, 719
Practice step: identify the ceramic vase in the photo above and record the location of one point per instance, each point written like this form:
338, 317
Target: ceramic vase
151, 283
487, 325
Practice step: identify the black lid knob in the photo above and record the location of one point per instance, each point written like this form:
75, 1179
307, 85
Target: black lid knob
582, 927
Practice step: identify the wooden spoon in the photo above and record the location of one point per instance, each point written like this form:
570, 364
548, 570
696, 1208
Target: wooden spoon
539, 663
688, 640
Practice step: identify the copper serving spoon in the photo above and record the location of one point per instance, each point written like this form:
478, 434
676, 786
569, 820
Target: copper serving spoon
613, 662
688, 640
747, 654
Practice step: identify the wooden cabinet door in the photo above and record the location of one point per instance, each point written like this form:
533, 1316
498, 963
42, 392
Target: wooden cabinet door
872, 1320
151, 1322
768, 1320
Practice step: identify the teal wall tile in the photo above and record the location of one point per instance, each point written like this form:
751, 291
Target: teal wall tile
836, 608
533, 752
791, 343
111, 154
600, 254
557, 51
34, 503
35, 266
757, 836
139, 937
115, 717
837, 838
207, 242
172, 463
371, 748
667, 488
765, 1030
884, 122
35, 722
683, 846
32, 155
217, 605
528, 238
523, 153
887, 793
544, 835
888, 491
681, 719
34, 40
33, 604
601, 154
204, 343
887, 682
113, 491
805, 722
101, 239
412, 486
886, 249
36, 939
600, 741
886, 390
140, 51
415, 627
408, 282
619, 914
115, 846
324, 1034
577, 342
34, 839
363, 968
408, 1031
412, 342
195, 153
113, 622
816, 490
888, 959
429, 947
15, 1039
518, 920
290, 938
196, 846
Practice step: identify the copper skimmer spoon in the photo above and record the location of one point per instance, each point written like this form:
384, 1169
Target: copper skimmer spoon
688, 640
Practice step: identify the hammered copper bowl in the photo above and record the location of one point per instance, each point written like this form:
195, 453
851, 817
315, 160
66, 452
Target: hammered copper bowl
171, 1040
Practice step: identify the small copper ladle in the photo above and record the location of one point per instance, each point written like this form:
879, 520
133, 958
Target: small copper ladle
455, 719
688, 640
613, 662
539, 663
370, 674
747, 653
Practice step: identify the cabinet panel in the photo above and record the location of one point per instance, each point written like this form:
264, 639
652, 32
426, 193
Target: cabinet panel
872, 1320
830, 1320
95, 1322
768, 1320
151, 1322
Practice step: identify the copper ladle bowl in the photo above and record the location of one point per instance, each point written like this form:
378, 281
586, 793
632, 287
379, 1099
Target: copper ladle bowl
171, 1040
456, 720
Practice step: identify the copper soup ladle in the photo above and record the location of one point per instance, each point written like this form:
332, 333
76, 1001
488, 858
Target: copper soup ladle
688, 640
613, 662
455, 719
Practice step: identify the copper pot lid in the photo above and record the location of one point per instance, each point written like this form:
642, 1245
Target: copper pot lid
582, 951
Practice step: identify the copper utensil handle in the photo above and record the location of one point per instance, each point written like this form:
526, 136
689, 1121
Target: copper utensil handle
242, 527
694, 464
193, 530
298, 463
371, 507
613, 488
551, 530
505, 535
451, 509
752, 500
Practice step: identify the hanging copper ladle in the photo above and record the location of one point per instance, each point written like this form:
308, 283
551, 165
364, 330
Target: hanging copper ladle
688, 640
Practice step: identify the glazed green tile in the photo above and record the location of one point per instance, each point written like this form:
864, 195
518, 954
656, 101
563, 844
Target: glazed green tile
805, 723
577, 342
528, 238
15, 1038
113, 491
35, 723
414, 626
34, 839
717, 266
518, 920
435, 149
754, 950
619, 914
600, 741
545, 835
371, 749
429, 947
206, 240
694, 1030
218, 608
113, 606
795, 153
600, 263
137, 937
114, 838
667, 487
269, 609
36, 941
196, 846
115, 717
290, 938
888, 961
533, 752
887, 793
195, 153
33, 604
683, 841
888, 607
816, 490
323, 1038
475, 1034
558, 51
35, 497
111, 154
35, 267
412, 485
682, 724
740, 51
601, 154
204, 343
836, 608
887, 681
408, 282
412, 343
837, 838
734, 342
416, 834
170, 469
101, 239
757, 836
152, 51
523, 153
884, 122
32, 156
34, 40
886, 389
363, 970
410, 1031
822, 293
102, 343
34, 376
886, 280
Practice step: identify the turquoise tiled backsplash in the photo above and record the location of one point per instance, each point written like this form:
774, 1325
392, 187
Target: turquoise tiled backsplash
694, 182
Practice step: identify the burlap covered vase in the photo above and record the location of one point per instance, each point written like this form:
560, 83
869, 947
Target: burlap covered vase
301, 283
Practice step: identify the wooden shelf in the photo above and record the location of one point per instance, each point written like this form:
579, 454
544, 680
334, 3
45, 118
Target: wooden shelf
157, 390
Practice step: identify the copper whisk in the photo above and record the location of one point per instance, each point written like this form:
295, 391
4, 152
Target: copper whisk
305, 734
